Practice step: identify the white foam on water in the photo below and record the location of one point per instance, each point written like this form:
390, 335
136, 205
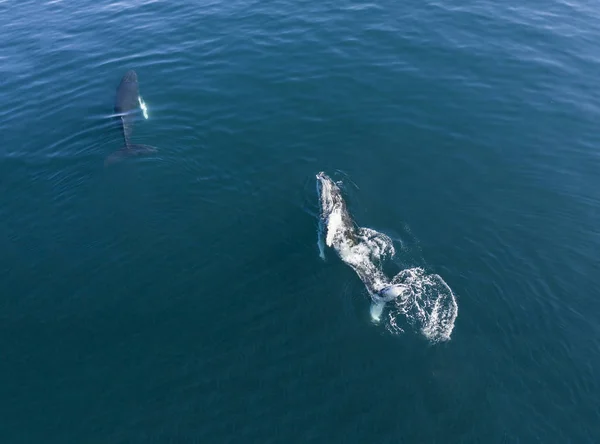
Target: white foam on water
428, 304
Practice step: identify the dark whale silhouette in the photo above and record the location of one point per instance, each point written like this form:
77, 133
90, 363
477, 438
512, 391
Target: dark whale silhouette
126, 102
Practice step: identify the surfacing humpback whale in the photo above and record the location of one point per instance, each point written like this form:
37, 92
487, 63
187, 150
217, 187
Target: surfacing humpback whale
360, 248
126, 103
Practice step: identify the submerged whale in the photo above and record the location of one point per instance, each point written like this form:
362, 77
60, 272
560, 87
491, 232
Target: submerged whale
360, 248
126, 103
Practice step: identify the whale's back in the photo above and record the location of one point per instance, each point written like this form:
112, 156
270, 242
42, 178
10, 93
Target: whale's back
126, 101
127, 93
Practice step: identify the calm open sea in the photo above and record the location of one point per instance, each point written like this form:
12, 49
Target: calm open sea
180, 297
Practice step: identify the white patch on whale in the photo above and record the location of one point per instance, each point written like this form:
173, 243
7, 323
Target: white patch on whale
143, 106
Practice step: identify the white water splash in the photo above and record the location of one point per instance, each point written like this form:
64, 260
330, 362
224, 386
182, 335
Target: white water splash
427, 303
423, 300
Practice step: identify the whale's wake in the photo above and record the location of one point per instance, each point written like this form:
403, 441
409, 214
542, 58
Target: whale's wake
412, 297
427, 304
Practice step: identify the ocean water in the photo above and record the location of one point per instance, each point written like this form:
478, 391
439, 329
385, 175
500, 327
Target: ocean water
180, 297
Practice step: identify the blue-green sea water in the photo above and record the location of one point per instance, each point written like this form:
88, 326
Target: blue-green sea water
180, 297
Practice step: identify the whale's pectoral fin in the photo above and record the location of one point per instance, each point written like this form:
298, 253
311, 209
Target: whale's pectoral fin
321, 240
377, 310
129, 151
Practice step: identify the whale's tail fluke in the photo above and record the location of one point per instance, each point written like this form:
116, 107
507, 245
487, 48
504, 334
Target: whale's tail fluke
132, 150
391, 292
386, 294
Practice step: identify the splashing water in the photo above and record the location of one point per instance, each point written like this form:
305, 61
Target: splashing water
427, 303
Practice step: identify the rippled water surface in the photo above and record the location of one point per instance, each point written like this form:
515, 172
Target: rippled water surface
180, 297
